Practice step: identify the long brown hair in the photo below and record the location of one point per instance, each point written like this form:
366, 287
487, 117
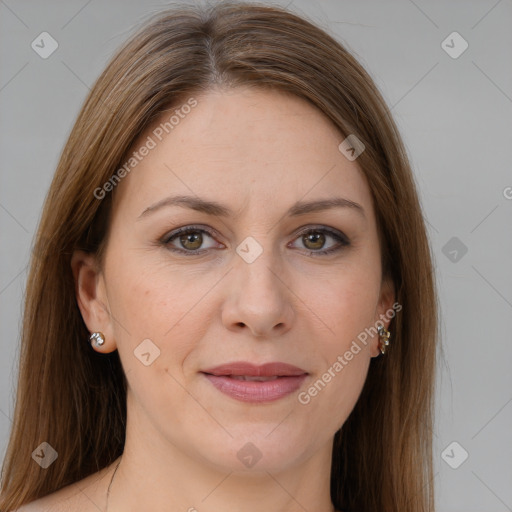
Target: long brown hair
75, 399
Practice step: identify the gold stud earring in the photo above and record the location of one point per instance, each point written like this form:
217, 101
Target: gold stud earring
384, 335
97, 339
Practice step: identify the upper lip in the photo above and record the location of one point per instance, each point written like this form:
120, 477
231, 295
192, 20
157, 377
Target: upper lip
243, 368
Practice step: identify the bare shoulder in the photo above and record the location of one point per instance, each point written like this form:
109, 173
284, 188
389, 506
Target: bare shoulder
54, 502
86, 495
67, 498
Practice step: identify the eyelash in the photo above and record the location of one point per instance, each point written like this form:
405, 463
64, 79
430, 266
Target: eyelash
338, 236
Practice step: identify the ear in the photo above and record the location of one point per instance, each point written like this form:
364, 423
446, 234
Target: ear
92, 299
385, 312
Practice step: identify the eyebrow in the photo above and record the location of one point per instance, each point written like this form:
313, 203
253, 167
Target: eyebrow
219, 210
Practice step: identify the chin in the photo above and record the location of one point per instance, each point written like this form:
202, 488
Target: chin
257, 449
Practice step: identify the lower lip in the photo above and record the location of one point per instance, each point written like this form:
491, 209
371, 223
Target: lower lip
256, 391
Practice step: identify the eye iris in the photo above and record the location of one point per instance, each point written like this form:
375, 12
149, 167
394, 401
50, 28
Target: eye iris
194, 237
318, 240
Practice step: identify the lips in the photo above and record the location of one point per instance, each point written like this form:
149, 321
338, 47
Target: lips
244, 369
251, 383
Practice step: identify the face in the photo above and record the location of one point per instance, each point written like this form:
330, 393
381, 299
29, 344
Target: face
200, 295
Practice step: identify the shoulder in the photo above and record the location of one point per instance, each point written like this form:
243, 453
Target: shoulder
54, 502
64, 499
86, 495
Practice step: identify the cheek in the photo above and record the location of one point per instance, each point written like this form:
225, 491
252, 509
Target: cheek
347, 303
156, 329
346, 384
148, 305
347, 307
350, 303
343, 360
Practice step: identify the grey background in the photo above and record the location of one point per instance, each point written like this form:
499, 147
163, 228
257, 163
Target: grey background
455, 118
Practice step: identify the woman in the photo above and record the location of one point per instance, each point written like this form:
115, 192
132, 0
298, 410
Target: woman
231, 304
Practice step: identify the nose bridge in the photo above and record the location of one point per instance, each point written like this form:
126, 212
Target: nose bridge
257, 268
260, 299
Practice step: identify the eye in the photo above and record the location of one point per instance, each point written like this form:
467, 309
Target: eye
314, 240
188, 240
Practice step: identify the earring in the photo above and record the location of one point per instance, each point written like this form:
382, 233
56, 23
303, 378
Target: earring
384, 335
97, 338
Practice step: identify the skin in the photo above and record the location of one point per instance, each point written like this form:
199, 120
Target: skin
257, 153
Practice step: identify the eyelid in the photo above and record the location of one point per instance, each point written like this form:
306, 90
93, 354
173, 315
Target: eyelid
338, 235
189, 228
320, 227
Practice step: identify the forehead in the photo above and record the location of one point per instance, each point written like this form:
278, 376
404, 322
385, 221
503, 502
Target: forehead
244, 147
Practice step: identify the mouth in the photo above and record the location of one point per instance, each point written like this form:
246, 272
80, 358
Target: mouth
253, 379
246, 382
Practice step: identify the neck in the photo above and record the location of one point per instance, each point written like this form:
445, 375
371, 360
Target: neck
132, 490
153, 474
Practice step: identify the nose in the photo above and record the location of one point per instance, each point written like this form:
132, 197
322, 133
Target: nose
258, 299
